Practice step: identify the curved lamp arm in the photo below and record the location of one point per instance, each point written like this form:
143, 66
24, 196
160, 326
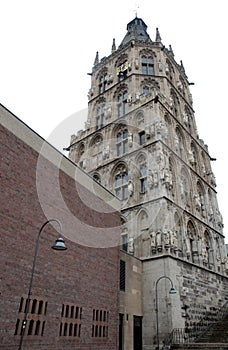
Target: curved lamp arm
63, 247
172, 291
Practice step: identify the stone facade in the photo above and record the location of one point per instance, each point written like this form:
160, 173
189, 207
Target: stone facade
141, 142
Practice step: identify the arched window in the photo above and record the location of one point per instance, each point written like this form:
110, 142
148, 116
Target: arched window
147, 65
143, 177
146, 90
96, 144
121, 183
100, 116
122, 104
122, 142
103, 83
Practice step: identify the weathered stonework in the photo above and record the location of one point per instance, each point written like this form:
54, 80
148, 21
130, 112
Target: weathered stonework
141, 142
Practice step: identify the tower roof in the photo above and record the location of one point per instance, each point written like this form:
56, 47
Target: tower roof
136, 30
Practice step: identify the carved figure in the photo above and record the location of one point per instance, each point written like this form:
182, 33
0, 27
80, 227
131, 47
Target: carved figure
130, 188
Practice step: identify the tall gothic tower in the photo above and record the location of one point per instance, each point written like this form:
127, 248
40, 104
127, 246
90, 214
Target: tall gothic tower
141, 142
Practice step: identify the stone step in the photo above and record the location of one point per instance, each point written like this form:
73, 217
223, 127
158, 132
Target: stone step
201, 346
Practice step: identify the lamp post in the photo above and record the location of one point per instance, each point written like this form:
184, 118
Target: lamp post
59, 245
172, 291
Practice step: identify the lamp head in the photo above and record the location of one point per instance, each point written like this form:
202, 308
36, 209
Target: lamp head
59, 244
172, 291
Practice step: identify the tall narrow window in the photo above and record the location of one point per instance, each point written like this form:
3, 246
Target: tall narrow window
103, 83
121, 184
100, 117
122, 142
143, 178
122, 104
142, 138
125, 243
147, 65
122, 275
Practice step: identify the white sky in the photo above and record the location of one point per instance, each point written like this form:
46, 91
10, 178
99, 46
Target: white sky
49, 46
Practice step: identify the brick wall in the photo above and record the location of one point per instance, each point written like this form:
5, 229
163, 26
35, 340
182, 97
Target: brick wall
74, 302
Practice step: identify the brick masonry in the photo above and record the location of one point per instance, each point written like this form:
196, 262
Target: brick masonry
84, 276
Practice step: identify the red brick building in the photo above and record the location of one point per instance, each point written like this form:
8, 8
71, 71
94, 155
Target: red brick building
74, 302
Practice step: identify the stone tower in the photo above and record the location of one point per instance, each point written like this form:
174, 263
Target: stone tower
141, 142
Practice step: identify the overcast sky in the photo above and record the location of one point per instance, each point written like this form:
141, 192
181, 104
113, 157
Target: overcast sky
49, 46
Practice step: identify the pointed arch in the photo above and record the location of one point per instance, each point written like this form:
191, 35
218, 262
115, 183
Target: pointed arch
143, 239
96, 144
193, 156
185, 188
119, 180
168, 128
178, 229
175, 103
191, 242
200, 198
141, 161
207, 257
179, 142
124, 234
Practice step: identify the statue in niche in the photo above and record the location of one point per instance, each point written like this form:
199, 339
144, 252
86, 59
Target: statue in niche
162, 161
204, 252
174, 239
158, 239
145, 243
130, 188
130, 139
131, 246
191, 157
168, 179
188, 246
166, 235
219, 218
152, 240
150, 179
159, 125
176, 144
106, 152
185, 119
212, 179
182, 189
197, 201
155, 175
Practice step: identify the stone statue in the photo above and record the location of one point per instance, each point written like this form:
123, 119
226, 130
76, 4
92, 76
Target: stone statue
130, 188
131, 246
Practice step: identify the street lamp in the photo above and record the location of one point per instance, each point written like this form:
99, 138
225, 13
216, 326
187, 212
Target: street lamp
59, 245
172, 291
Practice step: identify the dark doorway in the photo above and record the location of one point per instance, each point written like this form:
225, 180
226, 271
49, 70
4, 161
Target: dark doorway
121, 331
137, 333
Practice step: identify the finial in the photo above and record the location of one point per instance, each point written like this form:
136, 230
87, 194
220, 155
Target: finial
96, 61
182, 66
136, 7
158, 36
113, 45
171, 50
